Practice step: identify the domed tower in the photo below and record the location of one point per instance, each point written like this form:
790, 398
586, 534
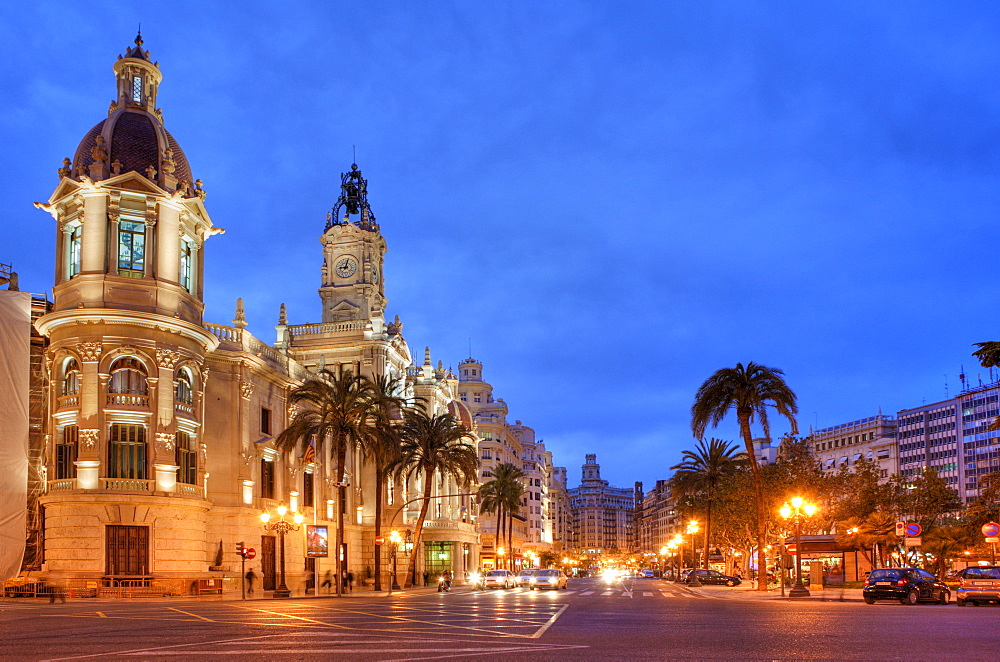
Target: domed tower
125, 457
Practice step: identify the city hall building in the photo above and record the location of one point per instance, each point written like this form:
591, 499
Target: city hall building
155, 455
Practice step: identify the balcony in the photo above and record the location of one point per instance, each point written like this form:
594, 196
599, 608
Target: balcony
128, 400
441, 525
68, 401
184, 407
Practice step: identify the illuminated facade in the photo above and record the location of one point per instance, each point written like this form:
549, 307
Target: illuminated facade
603, 516
159, 450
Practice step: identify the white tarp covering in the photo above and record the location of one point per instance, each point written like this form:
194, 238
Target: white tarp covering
15, 348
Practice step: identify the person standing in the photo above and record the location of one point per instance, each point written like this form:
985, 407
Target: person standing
250, 577
350, 580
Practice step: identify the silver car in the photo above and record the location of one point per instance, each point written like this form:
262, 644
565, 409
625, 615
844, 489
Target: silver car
548, 579
499, 579
524, 577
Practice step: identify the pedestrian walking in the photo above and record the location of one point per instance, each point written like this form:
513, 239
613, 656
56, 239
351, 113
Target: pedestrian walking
350, 580
327, 581
56, 592
250, 576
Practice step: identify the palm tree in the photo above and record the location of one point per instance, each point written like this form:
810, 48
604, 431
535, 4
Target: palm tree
382, 447
338, 414
878, 531
699, 474
508, 490
490, 502
946, 542
749, 391
433, 445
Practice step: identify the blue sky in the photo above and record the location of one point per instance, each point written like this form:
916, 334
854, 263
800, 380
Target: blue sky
611, 200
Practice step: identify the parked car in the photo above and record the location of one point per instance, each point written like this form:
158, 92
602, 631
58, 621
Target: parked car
548, 579
524, 577
647, 573
712, 577
908, 585
978, 584
499, 579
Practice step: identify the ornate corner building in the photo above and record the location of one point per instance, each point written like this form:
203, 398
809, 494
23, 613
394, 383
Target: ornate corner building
158, 448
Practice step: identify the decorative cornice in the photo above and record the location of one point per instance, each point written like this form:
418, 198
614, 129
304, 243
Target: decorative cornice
48, 323
167, 358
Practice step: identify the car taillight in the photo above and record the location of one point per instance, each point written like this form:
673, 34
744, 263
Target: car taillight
868, 583
901, 583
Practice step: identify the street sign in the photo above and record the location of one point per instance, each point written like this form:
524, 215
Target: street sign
913, 529
250, 553
991, 530
791, 549
993, 539
913, 541
379, 540
900, 529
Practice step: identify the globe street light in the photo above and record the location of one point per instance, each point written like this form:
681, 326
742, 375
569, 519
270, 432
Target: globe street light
281, 526
692, 528
797, 511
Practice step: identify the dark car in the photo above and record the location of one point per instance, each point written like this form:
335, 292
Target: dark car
908, 585
712, 577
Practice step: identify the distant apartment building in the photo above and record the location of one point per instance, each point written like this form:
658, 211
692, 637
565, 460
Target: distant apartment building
980, 447
602, 515
560, 511
931, 436
655, 517
872, 438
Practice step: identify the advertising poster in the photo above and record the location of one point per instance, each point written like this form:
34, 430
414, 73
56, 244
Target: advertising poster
317, 541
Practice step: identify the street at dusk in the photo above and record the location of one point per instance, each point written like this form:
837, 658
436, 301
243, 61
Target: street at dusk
635, 620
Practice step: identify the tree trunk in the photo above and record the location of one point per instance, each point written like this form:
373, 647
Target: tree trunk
341, 506
379, 480
759, 498
498, 543
510, 542
419, 528
708, 529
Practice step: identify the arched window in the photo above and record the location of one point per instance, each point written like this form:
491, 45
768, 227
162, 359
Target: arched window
128, 385
183, 393
71, 378
128, 375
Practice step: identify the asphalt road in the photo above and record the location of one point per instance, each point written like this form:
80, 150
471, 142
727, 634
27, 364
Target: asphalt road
640, 620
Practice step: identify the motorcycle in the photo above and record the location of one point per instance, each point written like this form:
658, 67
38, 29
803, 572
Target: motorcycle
477, 582
444, 584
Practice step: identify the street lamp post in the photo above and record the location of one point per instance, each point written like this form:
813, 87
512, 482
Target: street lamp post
281, 527
692, 528
797, 511
678, 542
394, 540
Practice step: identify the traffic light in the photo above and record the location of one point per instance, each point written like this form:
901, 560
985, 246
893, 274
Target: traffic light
241, 550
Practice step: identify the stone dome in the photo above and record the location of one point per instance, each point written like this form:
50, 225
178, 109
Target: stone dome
135, 139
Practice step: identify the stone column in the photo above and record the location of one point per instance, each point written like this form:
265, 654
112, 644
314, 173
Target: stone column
95, 224
168, 254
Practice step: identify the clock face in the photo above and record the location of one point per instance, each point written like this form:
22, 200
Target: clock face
346, 266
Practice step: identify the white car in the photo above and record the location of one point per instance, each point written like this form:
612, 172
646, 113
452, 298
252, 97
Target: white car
499, 579
524, 577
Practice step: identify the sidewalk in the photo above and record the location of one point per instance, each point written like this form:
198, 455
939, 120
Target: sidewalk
747, 592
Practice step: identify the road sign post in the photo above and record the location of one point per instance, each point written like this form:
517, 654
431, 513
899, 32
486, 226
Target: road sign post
991, 531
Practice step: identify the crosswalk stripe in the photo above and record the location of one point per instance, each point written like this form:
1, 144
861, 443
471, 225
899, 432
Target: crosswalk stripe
626, 594
647, 594
587, 593
608, 593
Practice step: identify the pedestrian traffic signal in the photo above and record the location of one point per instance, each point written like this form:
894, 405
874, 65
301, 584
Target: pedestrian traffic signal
241, 550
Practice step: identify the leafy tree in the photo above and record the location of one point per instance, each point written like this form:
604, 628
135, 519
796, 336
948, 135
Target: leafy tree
927, 498
986, 507
859, 491
946, 543
749, 391
433, 445
338, 413
701, 471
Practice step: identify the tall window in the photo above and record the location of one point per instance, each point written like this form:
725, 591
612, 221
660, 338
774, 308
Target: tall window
183, 393
266, 479
187, 458
187, 282
73, 251
307, 489
128, 385
137, 88
71, 378
131, 248
127, 451
66, 452
265, 420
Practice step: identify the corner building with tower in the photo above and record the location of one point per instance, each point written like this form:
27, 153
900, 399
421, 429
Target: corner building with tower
158, 453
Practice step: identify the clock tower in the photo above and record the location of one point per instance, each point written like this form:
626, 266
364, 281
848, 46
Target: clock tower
353, 250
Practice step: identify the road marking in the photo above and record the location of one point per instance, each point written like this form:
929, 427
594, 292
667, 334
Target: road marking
626, 594
552, 620
587, 593
647, 594
608, 593
140, 650
100, 613
190, 614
